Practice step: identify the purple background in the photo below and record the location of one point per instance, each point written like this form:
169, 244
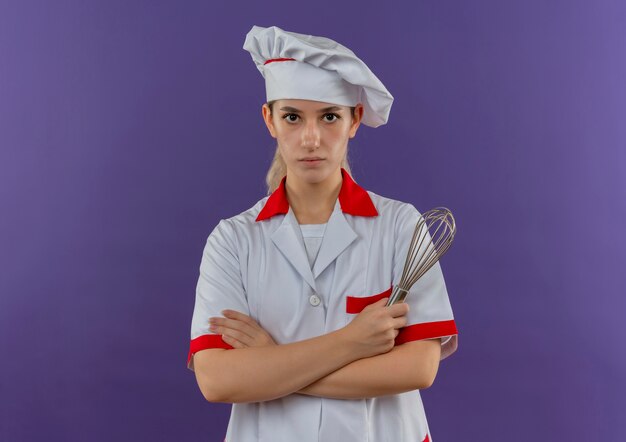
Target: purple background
128, 129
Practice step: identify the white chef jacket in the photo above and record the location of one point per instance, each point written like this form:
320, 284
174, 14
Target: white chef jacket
256, 263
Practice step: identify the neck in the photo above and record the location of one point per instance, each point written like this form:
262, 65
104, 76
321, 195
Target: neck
313, 203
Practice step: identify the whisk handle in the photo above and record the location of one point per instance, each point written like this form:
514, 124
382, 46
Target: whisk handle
397, 295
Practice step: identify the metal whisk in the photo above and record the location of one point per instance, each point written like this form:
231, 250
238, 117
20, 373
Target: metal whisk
425, 250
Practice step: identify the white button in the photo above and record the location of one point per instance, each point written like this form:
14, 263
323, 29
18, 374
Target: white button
314, 300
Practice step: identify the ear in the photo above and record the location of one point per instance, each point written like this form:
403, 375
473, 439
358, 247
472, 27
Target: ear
267, 117
356, 121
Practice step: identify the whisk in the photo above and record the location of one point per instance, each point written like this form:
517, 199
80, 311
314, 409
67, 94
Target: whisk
424, 250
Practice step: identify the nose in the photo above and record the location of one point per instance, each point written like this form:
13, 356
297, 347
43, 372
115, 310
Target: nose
311, 134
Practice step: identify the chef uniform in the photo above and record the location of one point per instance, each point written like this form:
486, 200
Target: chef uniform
258, 263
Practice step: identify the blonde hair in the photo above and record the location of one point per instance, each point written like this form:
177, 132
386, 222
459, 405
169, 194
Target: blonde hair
278, 168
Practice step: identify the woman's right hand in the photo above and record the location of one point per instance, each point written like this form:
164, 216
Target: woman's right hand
373, 331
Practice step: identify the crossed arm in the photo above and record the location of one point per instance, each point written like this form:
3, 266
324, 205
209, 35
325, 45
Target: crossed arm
409, 366
258, 376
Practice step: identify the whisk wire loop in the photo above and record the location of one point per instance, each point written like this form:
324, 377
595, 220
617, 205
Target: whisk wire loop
432, 237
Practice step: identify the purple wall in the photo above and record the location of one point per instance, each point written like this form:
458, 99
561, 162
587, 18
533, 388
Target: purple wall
128, 129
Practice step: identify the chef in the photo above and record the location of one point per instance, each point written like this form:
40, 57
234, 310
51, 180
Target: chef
290, 323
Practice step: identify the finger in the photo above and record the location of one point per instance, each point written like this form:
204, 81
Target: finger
233, 324
399, 309
237, 335
234, 314
233, 342
262, 339
226, 329
399, 322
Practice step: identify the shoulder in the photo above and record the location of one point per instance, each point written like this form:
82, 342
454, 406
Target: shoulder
231, 234
396, 218
390, 209
247, 218
240, 223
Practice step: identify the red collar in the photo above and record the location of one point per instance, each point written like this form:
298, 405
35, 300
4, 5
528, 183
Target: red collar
353, 200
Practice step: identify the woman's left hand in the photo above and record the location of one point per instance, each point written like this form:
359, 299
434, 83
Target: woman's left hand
240, 330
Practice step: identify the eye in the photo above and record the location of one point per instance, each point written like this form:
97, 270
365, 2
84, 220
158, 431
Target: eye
337, 117
288, 119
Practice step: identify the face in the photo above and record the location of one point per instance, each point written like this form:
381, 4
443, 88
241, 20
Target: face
312, 136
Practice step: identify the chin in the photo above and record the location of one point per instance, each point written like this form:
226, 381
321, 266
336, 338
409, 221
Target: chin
313, 175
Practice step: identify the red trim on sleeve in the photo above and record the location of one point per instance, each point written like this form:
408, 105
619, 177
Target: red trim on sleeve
415, 332
426, 330
427, 439
206, 341
277, 59
355, 304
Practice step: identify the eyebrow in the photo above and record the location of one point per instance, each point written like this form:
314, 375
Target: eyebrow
297, 111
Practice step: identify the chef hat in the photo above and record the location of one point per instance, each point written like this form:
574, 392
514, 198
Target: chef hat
300, 66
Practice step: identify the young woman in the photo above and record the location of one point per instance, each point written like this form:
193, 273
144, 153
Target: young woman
290, 323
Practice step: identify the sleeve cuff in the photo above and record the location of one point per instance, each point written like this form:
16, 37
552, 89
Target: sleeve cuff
426, 330
202, 343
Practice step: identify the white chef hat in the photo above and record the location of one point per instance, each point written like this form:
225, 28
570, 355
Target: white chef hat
307, 67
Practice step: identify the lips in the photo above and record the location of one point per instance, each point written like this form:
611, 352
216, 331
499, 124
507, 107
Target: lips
311, 159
